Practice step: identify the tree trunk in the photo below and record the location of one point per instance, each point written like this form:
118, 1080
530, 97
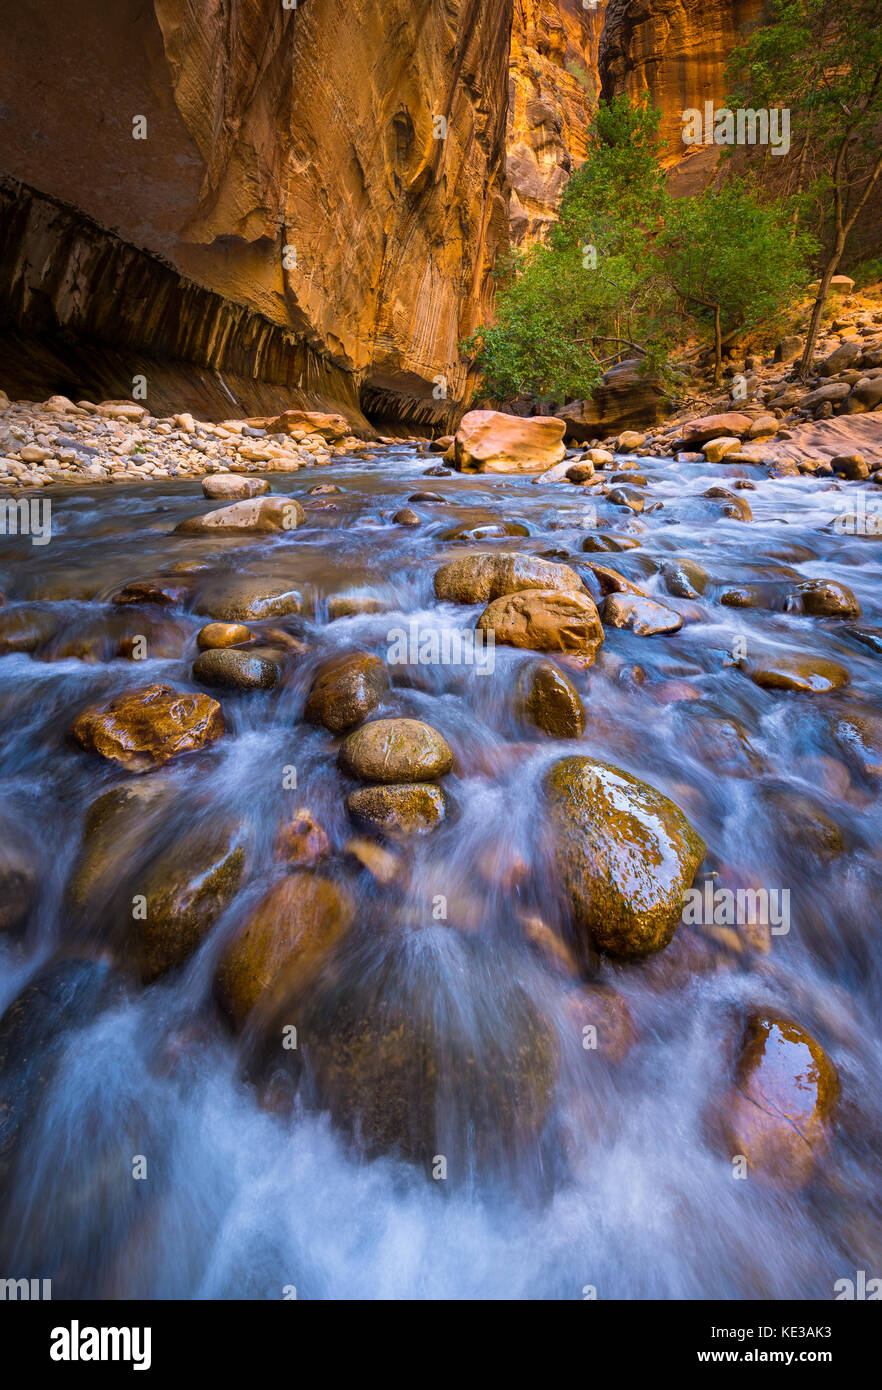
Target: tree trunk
818, 309
718, 347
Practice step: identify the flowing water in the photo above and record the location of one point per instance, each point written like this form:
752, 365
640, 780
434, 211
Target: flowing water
623, 1187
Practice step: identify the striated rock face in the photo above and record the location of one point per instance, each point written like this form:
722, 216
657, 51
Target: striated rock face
553, 89
677, 51
313, 129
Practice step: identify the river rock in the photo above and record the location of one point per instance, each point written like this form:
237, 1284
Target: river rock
219, 635
332, 428
407, 517
489, 442
707, 427
257, 515
840, 358
642, 615
142, 729
25, 628
224, 486
186, 889
728, 504
826, 598
353, 605
684, 578
780, 1110
548, 699
396, 750
412, 809
412, 1053
293, 926
235, 670
716, 450
794, 671
301, 842
626, 497
345, 690
625, 855
247, 598
545, 620
486, 576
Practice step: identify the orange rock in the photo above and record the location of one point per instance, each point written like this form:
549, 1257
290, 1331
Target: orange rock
779, 1111
290, 930
144, 728
330, 427
490, 442
544, 620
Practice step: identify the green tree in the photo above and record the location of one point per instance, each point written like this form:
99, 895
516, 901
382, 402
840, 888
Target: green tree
822, 61
732, 260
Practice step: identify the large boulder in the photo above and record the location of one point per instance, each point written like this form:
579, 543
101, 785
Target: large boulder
412, 1051
256, 515
345, 690
410, 809
235, 670
229, 486
483, 577
186, 889
780, 1109
303, 422
548, 700
624, 399
490, 442
142, 729
625, 855
396, 750
545, 620
707, 427
290, 930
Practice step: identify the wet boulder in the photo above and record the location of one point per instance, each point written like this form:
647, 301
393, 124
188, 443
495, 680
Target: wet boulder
247, 598
545, 620
826, 598
548, 700
219, 635
490, 442
684, 578
410, 809
625, 855
396, 750
144, 728
26, 627
235, 670
794, 671
353, 605
345, 690
484, 577
301, 841
413, 1053
641, 615
185, 890
286, 936
780, 1110
256, 515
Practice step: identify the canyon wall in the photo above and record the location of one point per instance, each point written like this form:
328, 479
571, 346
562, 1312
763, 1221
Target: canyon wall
677, 51
553, 89
289, 205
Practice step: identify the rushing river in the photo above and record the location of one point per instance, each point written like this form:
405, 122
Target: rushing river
624, 1188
